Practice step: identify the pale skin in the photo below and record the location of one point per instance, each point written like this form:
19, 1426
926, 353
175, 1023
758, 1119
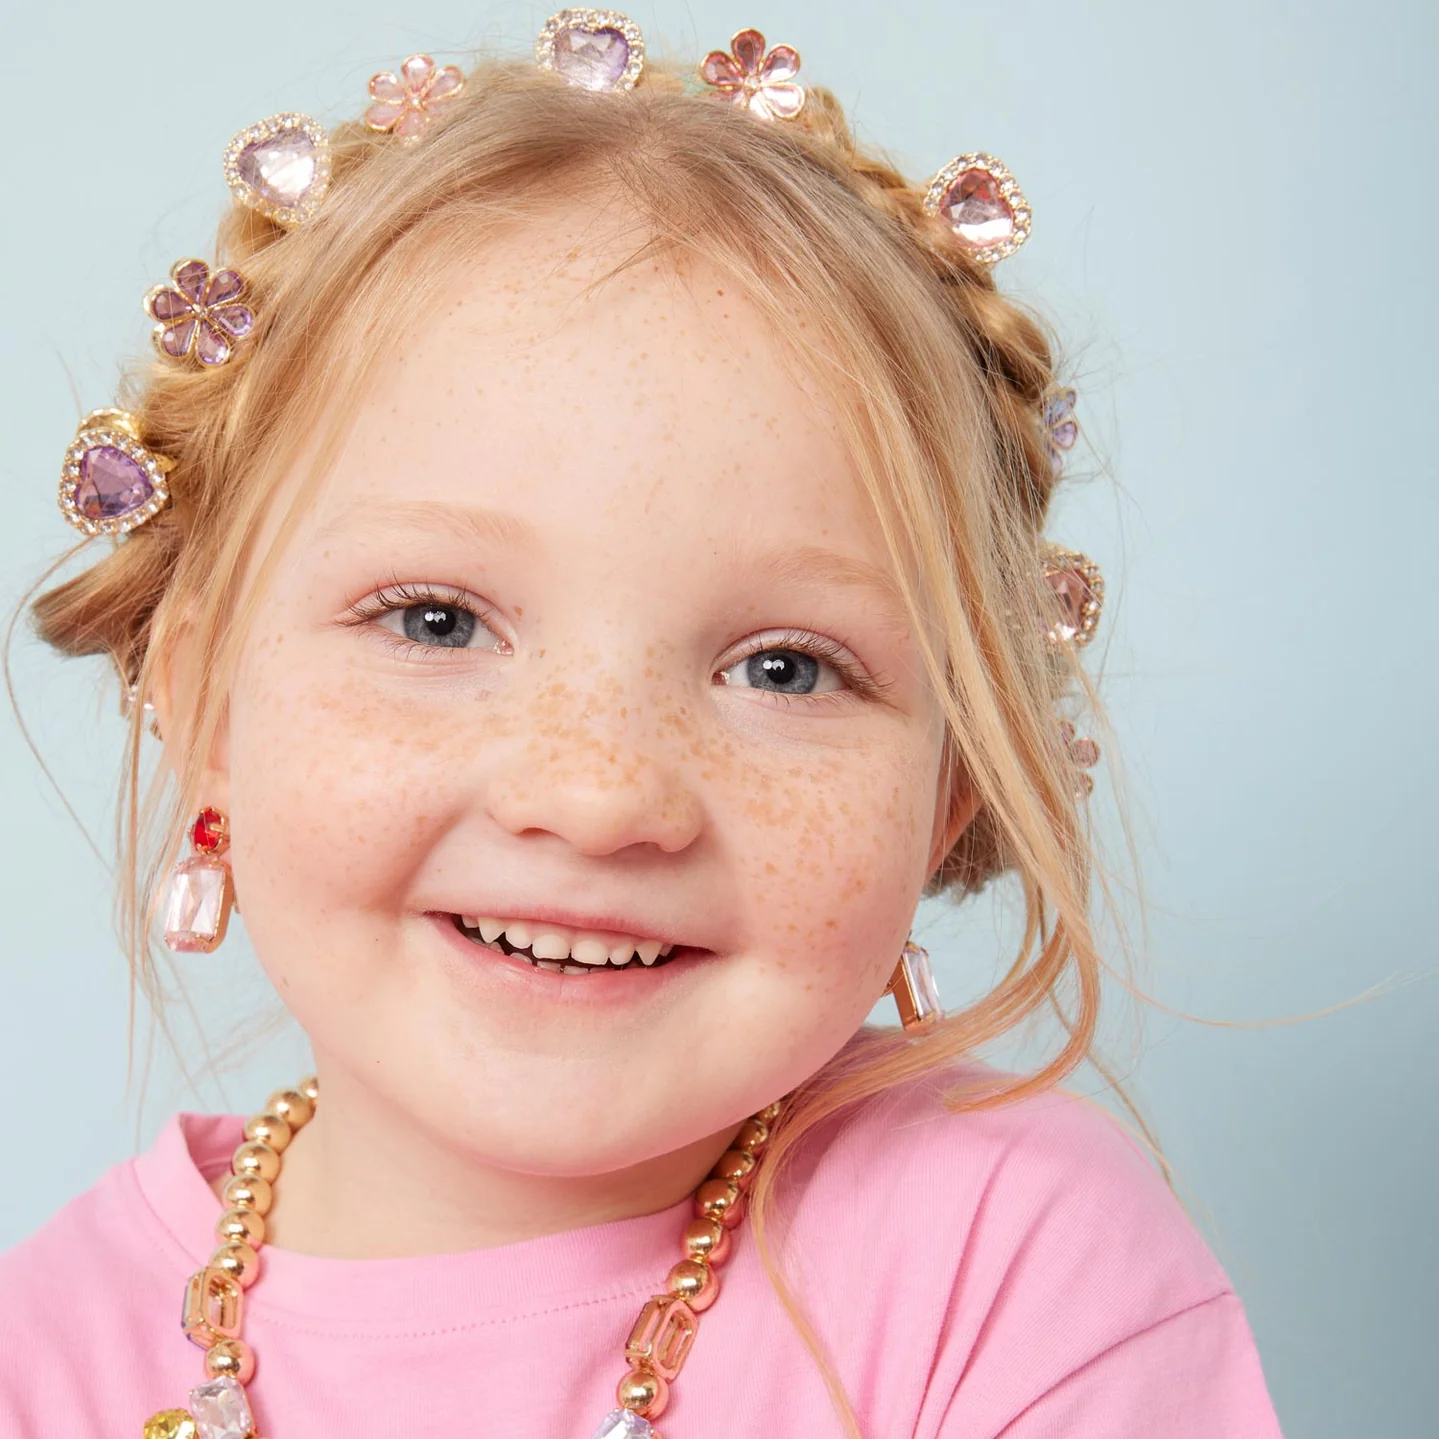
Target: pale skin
637, 490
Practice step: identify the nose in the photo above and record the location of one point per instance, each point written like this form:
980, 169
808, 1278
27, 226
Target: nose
598, 794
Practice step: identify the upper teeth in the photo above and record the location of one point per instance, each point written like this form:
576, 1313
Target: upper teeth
554, 943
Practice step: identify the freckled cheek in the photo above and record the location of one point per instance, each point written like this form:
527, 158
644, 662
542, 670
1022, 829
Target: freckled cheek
834, 855
335, 791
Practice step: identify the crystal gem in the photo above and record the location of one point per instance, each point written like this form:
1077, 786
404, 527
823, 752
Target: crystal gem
921, 978
281, 169
623, 1424
594, 59
239, 320
208, 832
979, 214
1072, 591
111, 484
221, 1410
190, 280
170, 305
211, 346
170, 1424
226, 285
195, 908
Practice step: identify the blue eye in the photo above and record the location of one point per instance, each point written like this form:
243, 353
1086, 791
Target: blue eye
435, 624
783, 671
433, 621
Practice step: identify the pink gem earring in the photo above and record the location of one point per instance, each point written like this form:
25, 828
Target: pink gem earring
916, 995
200, 893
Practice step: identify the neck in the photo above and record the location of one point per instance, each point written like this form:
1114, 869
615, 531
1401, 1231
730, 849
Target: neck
334, 1199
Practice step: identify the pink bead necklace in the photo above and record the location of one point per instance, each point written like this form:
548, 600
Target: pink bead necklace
656, 1349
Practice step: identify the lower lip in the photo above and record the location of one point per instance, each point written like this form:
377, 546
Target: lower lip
604, 988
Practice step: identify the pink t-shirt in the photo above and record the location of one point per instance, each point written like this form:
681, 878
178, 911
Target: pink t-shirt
1022, 1273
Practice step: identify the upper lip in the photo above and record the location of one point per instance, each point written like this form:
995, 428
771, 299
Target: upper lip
603, 922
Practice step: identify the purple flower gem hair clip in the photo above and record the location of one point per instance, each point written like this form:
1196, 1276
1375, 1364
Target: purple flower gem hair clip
403, 102
1060, 427
198, 313
763, 83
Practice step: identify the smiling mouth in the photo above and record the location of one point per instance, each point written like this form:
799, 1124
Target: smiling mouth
565, 951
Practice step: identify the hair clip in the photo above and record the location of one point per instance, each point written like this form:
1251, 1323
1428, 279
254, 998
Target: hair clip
1060, 427
1078, 586
280, 167
1083, 754
594, 49
403, 102
199, 313
763, 83
110, 483
983, 204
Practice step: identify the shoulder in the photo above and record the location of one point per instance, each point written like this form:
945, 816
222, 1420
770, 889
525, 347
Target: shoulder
1020, 1240
79, 1300
1008, 1175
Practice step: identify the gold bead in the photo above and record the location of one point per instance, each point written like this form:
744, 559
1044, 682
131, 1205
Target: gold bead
291, 1106
706, 1239
643, 1393
230, 1358
248, 1191
170, 1424
309, 1086
271, 1129
258, 1159
735, 1166
770, 1112
697, 1284
240, 1226
752, 1137
719, 1199
239, 1261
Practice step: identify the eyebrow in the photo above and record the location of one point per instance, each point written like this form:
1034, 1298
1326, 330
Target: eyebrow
811, 566
426, 518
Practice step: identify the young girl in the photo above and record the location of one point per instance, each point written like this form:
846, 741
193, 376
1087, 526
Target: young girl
583, 559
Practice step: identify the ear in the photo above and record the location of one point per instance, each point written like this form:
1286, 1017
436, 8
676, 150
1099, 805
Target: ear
176, 678
956, 804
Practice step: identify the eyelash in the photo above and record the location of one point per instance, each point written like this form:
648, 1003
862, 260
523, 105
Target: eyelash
400, 596
820, 647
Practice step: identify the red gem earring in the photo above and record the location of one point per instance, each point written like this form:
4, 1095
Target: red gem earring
200, 893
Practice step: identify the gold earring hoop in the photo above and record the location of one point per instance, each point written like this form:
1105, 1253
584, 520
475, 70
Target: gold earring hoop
916, 995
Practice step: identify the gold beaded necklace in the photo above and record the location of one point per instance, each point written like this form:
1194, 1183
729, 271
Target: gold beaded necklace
656, 1349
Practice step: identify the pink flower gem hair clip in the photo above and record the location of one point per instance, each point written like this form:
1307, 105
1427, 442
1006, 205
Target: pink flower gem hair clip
403, 102
763, 83
199, 313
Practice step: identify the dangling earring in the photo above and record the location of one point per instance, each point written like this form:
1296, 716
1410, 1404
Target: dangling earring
916, 995
200, 892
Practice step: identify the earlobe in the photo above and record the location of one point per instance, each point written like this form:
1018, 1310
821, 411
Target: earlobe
174, 689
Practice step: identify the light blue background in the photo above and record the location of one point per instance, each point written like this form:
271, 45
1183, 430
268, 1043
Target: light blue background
1235, 233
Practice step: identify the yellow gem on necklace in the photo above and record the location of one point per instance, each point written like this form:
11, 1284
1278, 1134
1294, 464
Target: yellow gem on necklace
170, 1424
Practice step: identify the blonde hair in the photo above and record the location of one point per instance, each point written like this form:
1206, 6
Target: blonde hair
941, 381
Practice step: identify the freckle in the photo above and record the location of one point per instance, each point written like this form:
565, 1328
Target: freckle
519, 610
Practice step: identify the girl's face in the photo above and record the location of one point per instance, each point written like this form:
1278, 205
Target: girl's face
590, 642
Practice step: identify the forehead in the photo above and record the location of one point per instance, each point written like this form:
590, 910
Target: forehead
570, 372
